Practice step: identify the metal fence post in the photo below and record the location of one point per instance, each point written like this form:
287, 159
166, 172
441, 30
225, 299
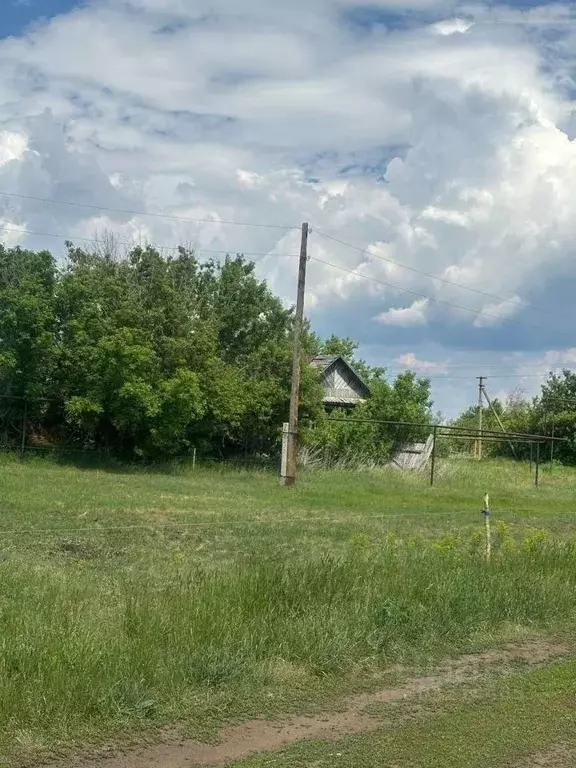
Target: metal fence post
433, 462
488, 533
24, 428
537, 476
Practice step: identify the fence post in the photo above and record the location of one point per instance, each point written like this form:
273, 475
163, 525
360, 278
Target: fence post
433, 462
284, 465
537, 476
486, 513
194, 459
552, 445
24, 427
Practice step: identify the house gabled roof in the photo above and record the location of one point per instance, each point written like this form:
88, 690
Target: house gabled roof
324, 362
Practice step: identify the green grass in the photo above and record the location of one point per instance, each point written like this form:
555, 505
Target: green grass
501, 726
131, 599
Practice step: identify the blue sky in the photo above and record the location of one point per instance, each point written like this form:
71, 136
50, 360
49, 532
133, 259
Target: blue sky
433, 141
17, 15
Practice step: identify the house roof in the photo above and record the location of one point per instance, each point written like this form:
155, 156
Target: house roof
329, 400
324, 362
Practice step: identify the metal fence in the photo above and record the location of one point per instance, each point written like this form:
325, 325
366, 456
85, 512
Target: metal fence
478, 436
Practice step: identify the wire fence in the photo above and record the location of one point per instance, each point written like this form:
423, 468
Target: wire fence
18, 434
477, 437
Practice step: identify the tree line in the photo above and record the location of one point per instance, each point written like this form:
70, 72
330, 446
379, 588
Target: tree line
150, 356
551, 413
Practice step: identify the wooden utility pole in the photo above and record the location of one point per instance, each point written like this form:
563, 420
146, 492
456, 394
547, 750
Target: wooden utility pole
499, 420
291, 458
480, 416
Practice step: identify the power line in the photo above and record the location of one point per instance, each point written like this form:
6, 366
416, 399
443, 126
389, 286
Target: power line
146, 213
443, 279
426, 296
524, 22
553, 400
422, 374
487, 367
133, 244
219, 523
282, 227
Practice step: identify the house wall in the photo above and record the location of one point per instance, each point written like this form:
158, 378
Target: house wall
338, 381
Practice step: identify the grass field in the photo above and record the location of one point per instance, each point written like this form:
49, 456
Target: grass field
136, 599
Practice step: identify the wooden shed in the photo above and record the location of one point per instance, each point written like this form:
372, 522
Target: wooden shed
343, 387
414, 457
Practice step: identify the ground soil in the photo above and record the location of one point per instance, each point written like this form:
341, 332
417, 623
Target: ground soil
558, 756
261, 735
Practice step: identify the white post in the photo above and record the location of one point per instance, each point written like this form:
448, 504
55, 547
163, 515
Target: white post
194, 459
486, 514
284, 466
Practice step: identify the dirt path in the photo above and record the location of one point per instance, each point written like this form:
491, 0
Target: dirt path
262, 735
558, 756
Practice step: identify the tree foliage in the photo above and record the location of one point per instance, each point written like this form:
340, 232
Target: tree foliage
27, 322
407, 399
150, 355
553, 412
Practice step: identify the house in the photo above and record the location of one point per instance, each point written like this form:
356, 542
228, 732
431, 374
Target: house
343, 387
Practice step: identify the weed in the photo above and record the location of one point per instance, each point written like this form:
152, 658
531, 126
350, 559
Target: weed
346, 571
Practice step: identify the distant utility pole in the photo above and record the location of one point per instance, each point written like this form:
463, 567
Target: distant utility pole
499, 420
290, 445
481, 380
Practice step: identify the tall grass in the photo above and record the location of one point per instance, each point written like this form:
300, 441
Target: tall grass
147, 597
78, 654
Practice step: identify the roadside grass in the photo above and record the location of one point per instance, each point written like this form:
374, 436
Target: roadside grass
130, 599
503, 725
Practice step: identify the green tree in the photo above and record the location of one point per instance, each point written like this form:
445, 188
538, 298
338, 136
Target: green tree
161, 354
557, 406
346, 348
27, 340
407, 399
27, 336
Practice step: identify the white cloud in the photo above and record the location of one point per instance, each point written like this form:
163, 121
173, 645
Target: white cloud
410, 360
442, 146
12, 146
552, 361
493, 314
413, 315
452, 26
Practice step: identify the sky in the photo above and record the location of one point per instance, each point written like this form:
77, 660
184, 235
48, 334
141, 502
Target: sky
429, 144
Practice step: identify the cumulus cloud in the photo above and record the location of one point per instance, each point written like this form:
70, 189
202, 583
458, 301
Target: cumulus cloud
405, 317
494, 314
411, 361
12, 146
442, 144
452, 26
551, 361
